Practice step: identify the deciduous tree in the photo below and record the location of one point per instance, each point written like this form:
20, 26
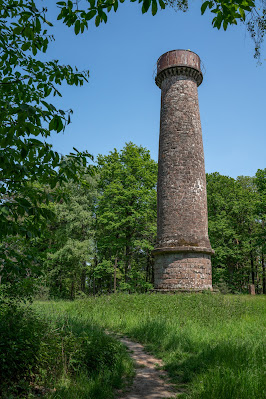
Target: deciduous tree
126, 212
234, 230
260, 182
68, 244
27, 118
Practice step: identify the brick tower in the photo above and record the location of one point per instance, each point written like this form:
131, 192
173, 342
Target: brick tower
183, 251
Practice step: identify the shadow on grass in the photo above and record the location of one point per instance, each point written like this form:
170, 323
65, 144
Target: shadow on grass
92, 364
224, 369
214, 364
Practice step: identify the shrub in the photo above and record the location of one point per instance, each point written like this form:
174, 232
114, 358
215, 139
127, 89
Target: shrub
21, 333
49, 357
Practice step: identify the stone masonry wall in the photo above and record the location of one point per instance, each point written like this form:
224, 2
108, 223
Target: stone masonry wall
182, 203
183, 272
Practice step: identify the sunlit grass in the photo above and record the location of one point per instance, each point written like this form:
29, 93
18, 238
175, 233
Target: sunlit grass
213, 344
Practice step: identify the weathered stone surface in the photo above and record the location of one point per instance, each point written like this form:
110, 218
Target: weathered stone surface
182, 201
187, 271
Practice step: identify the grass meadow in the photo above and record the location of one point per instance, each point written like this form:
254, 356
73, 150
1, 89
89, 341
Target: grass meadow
213, 345
58, 355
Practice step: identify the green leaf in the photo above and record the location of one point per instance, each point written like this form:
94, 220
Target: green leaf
115, 5
162, 4
218, 21
242, 13
38, 25
25, 46
52, 124
104, 17
204, 6
225, 24
23, 152
77, 27
34, 50
145, 6
154, 7
97, 20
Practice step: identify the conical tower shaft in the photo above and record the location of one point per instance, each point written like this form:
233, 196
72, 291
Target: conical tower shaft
183, 252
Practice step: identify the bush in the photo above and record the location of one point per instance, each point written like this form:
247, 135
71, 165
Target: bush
21, 333
100, 353
49, 357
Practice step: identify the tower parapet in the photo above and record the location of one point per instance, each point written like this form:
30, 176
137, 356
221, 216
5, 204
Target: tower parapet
182, 63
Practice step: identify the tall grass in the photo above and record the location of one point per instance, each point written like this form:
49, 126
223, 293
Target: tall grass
213, 345
58, 356
92, 364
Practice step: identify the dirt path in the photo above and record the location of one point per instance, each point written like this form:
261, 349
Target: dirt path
149, 382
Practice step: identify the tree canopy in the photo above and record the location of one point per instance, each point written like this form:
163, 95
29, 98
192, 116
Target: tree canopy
67, 245
251, 13
102, 239
126, 212
236, 230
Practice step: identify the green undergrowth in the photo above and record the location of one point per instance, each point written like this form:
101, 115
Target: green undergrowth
212, 345
54, 355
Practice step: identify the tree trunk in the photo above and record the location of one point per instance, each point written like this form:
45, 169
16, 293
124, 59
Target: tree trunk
147, 268
115, 267
152, 270
252, 266
93, 276
72, 290
263, 273
128, 252
60, 284
128, 260
263, 266
1, 268
83, 279
257, 276
100, 285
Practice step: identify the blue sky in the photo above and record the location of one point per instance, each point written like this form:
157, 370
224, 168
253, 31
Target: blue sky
121, 102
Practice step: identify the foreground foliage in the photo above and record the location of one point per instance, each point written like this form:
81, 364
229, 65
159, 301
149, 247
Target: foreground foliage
224, 12
27, 118
213, 346
59, 357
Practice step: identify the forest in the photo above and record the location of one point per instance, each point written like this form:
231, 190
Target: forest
103, 230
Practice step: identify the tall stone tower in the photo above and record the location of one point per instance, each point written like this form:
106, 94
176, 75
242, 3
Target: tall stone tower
183, 251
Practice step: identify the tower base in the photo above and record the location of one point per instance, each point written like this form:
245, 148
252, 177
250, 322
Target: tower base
176, 270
